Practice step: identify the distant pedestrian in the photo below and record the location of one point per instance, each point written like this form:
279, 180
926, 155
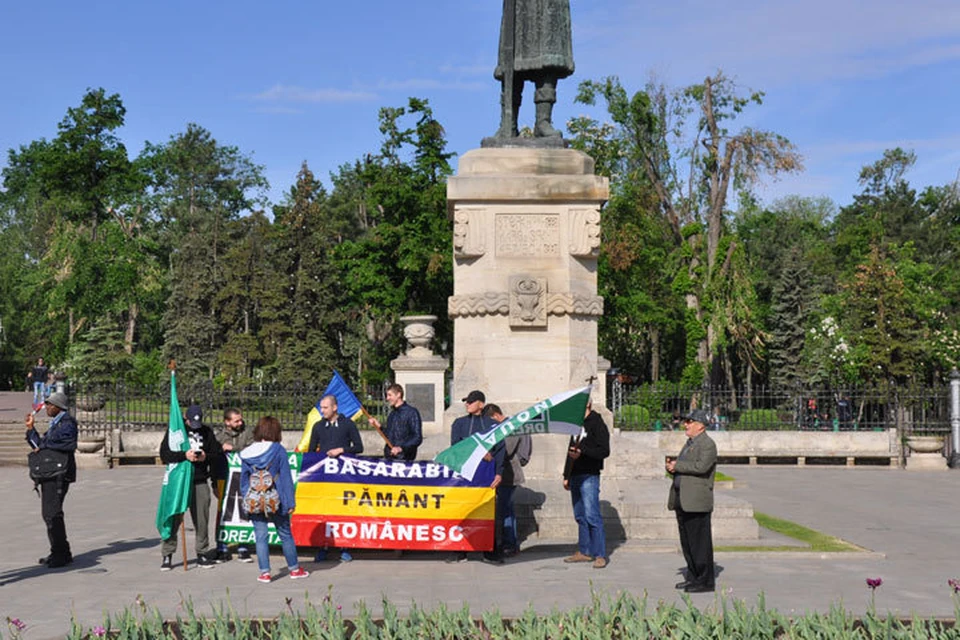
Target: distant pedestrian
266, 458
38, 376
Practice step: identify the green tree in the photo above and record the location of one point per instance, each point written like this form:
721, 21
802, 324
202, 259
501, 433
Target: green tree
692, 161
197, 187
401, 263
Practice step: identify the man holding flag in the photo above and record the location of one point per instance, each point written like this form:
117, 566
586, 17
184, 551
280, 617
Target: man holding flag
404, 432
194, 450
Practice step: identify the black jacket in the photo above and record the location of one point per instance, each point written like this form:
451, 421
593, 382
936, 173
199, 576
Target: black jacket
325, 436
208, 444
594, 447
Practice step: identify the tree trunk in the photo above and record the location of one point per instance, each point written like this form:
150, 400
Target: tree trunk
654, 354
132, 314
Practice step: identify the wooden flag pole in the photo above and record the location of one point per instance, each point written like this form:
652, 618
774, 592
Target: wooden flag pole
379, 430
172, 365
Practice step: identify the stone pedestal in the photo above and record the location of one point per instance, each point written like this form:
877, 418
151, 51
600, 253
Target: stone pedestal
525, 307
421, 373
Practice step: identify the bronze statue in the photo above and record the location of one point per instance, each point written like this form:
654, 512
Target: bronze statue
535, 46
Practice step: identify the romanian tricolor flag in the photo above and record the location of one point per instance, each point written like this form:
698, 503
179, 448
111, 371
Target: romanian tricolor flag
372, 503
347, 405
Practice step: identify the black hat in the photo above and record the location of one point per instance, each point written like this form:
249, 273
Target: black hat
475, 395
194, 416
698, 415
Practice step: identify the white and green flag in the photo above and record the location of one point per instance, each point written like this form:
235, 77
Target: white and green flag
562, 413
178, 479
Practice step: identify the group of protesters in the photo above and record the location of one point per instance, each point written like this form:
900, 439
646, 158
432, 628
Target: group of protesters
335, 435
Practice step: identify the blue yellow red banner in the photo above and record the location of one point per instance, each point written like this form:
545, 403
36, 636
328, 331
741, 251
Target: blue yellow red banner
373, 503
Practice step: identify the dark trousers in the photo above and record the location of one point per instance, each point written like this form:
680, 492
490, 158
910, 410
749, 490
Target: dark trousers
696, 540
52, 494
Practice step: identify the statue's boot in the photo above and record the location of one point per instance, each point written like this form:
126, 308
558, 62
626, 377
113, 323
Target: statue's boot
544, 127
544, 97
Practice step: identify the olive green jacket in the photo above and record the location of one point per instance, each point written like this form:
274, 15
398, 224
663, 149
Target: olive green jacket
694, 470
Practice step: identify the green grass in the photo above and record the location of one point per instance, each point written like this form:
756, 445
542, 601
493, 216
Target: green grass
815, 541
722, 477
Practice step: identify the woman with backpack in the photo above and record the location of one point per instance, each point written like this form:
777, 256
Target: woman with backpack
266, 486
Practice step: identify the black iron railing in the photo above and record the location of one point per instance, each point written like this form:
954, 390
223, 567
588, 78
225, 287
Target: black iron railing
660, 406
101, 408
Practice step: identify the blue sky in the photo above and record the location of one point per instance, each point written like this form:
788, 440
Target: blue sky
288, 81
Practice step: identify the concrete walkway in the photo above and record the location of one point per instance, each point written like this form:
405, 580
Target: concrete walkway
907, 520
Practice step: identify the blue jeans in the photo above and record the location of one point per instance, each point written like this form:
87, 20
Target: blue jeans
39, 392
261, 533
585, 492
507, 517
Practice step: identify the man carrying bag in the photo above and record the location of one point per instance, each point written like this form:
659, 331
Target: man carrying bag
53, 467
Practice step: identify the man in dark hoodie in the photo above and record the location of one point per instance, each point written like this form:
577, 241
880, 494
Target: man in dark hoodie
234, 437
204, 449
581, 477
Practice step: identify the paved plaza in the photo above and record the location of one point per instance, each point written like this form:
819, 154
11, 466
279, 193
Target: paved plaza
907, 520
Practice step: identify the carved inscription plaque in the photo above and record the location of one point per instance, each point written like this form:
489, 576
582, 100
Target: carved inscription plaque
523, 235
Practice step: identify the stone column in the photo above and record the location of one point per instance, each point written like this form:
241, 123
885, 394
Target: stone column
526, 235
420, 372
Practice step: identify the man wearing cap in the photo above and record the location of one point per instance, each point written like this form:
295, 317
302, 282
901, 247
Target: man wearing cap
464, 427
691, 497
204, 449
61, 436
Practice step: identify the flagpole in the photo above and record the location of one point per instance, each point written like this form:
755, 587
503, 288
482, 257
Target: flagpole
379, 430
183, 527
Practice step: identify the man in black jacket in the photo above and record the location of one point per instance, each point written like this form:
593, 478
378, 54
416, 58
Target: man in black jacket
61, 436
404, 428
334, 434
204, 449
581, 477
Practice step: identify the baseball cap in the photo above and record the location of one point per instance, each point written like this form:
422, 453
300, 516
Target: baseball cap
194, 416
475, 395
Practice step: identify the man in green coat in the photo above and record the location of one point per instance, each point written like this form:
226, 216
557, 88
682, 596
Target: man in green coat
691, 497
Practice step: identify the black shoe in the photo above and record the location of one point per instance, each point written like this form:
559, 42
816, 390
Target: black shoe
223, 556
457, 557
682, 585
205, 563
46, 560
699, 588
54, 562
243, 555
167, 563
492, 558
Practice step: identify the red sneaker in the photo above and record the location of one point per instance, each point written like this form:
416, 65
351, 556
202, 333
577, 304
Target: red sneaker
299, 572
264, 577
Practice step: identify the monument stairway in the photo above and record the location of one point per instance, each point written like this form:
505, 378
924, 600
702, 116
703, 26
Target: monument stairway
13, 448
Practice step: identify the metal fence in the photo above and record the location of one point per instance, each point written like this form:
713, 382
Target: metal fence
659, 407
102, 408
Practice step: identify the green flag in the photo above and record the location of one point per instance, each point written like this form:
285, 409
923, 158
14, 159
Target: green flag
178, 479
562, 413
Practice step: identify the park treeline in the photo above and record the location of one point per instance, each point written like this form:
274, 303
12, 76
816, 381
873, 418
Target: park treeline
110, 265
